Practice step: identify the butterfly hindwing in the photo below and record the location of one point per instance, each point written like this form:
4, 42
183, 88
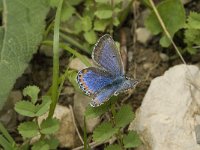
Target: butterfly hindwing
91, 79
106, 55
118, 85
103, 95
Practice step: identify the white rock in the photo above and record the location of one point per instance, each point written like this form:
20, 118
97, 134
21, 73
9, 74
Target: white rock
143, 35
66, 134
80, 103
170, 111
68, 90
164, 57
77, 64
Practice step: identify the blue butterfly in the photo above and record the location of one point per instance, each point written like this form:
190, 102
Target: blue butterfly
108, 78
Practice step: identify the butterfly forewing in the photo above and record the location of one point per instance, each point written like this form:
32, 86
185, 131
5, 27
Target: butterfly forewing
106, 55
91, 79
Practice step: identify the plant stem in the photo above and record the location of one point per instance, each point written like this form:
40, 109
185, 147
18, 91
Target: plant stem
54, 91
70, 50
74, 42
165, 30
118, 135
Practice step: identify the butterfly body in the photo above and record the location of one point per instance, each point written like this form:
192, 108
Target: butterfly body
108, 78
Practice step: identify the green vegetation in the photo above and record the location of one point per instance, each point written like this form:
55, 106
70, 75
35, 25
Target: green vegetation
75, 26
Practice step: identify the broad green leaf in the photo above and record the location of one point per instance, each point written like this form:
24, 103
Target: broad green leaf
124, 116
192, 37
53, 3
40, 145
193, 20
113, 147
78, 26
103, 14
67, 12
100, 25
86, 23
49, 126
173, 15
20, 35
131, 140
90, 37
32, 92
92, 112
52, 142
25, 108
44, 106
104, 131
28, 129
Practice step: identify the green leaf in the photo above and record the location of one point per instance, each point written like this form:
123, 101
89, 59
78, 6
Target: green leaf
100, 25
124, 116
52, 142
53, 3
113, 147
173, 15
5, 144
25, 108
92, 112
28, 129
102, 1
131, 140
74, 2
40, 145
86, 23
44, 107
49, 126
191, 50
71, 76
21, 33
104, 131
103, 14
32, 92
67, 12
90, 37
116, 21
192, 36
78, 26
193, 20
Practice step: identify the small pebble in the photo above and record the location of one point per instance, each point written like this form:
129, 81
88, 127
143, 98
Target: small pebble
164, 57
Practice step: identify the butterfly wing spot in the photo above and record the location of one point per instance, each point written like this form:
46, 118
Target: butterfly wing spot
82, 83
